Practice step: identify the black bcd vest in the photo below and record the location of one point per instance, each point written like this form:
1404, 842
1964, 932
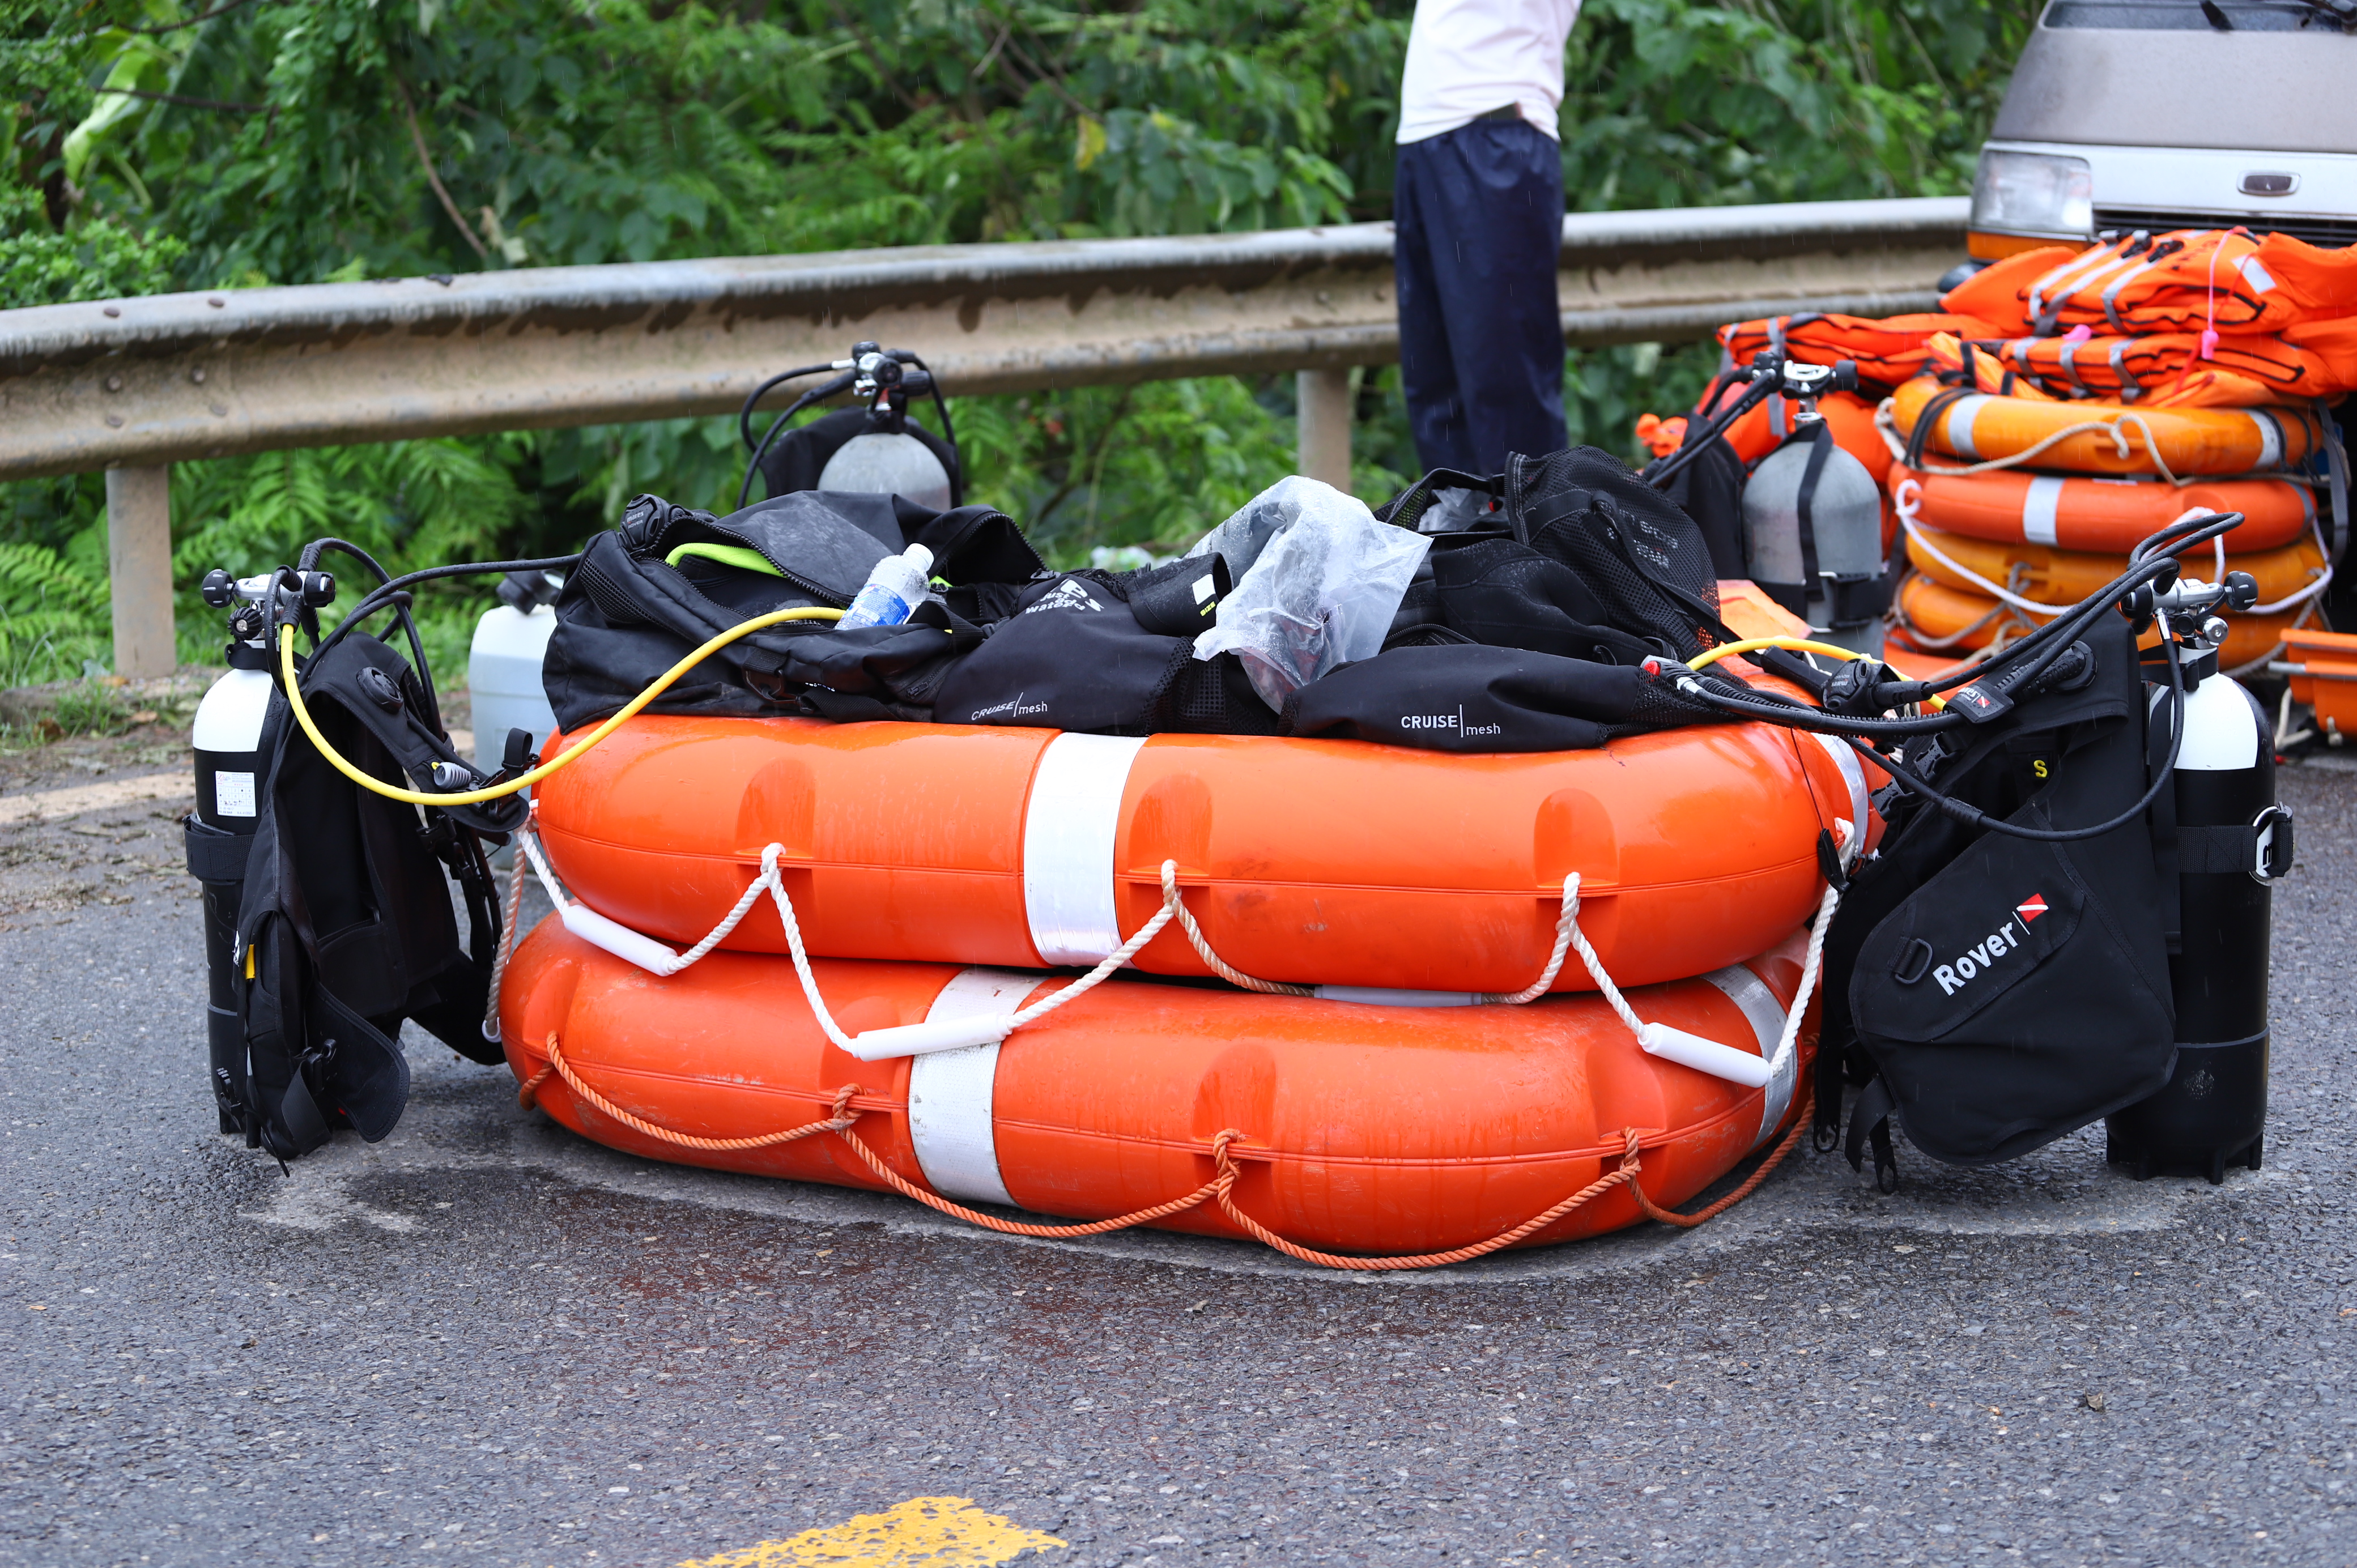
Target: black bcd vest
345, 924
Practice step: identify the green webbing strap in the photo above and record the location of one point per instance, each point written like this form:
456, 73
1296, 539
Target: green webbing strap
734, 556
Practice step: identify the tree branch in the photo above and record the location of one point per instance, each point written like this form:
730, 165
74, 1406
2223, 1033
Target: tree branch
425, 161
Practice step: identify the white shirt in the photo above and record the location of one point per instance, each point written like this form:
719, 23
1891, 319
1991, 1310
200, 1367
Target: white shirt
1466, 58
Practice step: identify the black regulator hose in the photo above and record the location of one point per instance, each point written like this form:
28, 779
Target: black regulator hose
383, 595
1974, 817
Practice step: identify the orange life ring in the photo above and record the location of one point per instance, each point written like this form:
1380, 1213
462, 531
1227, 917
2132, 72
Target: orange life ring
2063, 577
1932, 618
1315, 860
1367, 1129
1977, 426
2015, 505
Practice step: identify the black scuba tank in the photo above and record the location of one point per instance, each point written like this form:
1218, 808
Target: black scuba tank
2226, 840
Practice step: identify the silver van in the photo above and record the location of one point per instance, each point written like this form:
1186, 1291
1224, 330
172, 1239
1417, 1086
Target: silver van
2158, 114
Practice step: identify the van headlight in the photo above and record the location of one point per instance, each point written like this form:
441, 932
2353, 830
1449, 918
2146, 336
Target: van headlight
2034, 193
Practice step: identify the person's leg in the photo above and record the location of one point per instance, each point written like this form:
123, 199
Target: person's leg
1420, 220
1497, 282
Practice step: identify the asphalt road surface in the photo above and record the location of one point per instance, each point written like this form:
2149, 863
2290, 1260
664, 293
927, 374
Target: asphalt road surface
487, 1341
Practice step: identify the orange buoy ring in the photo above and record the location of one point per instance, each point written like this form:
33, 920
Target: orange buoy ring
1363, 1129
1312, 861
1979, 427
2013, 506
2060, 578
1929, 616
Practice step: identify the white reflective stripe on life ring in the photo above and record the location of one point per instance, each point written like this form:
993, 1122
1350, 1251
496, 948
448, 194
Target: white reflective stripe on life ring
1958, 426
1854, 776
2271, 438
1069, 828
950, 1092
2039, 508
1750, 992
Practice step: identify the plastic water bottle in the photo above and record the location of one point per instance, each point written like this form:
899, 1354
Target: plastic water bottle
895, 587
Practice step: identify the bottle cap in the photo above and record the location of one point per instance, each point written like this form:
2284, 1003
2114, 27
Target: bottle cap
920, 557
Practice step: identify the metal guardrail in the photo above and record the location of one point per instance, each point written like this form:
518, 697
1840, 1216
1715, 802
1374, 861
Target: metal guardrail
130, 385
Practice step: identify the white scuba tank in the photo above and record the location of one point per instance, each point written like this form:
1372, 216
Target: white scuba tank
504, 673
889, 465
227, 739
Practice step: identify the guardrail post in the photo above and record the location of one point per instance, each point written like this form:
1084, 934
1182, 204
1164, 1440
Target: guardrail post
139, 567
1324, 426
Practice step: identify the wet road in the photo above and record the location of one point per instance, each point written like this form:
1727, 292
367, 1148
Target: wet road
486, 1341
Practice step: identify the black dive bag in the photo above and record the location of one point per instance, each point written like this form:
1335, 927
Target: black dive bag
344, 923
1996, 992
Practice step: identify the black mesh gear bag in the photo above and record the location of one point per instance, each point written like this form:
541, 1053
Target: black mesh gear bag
1645, 560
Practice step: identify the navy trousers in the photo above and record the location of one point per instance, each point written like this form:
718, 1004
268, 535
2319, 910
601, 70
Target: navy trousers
1479, 213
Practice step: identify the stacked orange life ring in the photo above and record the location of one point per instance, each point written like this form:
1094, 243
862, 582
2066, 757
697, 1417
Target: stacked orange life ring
1365, 1128
1945, 603
1980, 426
1408, 1084
2110, 516
1997, 547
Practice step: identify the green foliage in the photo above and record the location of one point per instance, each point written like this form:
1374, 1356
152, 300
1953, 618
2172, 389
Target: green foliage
95, 259
52, 615
294, 141
1672, 103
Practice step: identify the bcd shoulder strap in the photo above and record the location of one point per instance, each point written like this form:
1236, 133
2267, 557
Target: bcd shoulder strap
345, 928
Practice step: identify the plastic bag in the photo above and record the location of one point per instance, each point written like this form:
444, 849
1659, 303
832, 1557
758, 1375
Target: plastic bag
1318, 580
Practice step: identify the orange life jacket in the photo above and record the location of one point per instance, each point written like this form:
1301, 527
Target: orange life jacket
2006, 368
1887, 351
2164, 367
2191, 280
1660, 436
2332, 343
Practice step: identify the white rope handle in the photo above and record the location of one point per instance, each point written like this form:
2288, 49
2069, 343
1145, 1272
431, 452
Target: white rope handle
916, 1039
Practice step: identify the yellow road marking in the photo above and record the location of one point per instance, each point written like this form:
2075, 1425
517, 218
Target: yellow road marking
923, 1532
50, 805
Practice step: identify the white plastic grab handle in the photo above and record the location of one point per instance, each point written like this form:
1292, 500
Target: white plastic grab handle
1383, 996
1705, 1056
619, 940
923, 1040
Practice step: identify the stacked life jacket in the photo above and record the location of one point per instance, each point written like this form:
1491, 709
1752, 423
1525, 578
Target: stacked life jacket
2193, 280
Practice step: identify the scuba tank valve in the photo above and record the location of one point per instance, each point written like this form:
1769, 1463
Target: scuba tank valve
884, 455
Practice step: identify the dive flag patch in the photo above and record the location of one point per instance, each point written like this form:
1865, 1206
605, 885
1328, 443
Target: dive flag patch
2030, 908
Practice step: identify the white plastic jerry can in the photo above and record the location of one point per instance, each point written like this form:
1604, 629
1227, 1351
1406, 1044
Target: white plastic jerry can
504, 674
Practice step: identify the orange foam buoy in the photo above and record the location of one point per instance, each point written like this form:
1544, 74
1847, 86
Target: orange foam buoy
2016, 506
2324, 676
1979, 426
1363, 1128
2063, 577
1932, 618
1315, 860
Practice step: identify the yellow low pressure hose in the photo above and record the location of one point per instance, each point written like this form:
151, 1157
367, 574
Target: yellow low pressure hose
470, 796
1752, 644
